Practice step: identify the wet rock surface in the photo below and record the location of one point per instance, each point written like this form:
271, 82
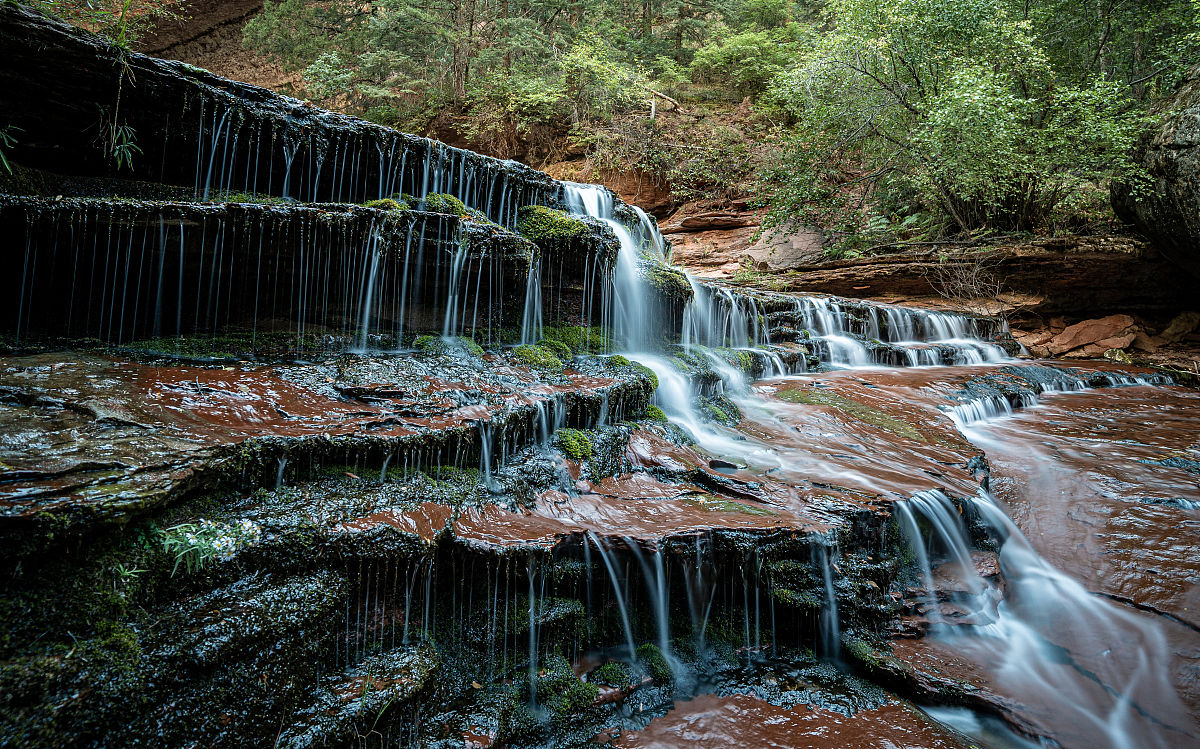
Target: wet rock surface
370, 554
96, 438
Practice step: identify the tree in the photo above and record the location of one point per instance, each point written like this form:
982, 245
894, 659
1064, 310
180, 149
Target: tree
942, 115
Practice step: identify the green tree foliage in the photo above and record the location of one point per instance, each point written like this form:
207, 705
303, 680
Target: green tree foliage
122, 21
515, 71
935, 116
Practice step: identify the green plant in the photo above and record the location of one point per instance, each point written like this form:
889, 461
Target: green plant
924, 118
120, 145
122, 23
124, 575
7, 141
195, 544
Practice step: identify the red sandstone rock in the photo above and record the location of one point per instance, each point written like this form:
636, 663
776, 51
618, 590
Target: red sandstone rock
1092, 338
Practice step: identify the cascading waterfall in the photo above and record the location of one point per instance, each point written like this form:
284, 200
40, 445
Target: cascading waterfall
996, 405
1020, 625
631, 315
1046, 630
160, 270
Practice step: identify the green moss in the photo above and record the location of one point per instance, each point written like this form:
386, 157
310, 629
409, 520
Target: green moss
230, 345
538, 357
800, 599
249, 197
468, 345
654, 663
387, 204
654, 413
118, 641
617, 360
647, 373
741, 360
714, 503
575, 444
667, 281
541, 224
560, 349
613, 673
438, 346
851, 407
580, 339
719, 408
431, 344
440, 202
561, 692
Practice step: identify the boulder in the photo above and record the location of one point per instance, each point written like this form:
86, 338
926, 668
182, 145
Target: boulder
1091, 338
779, 251
1169, 211
710, 220
1178, 329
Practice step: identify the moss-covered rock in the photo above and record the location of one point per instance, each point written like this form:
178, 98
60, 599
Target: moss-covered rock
647, 373
575, 444
560, 349
440, 202
743, 361
581, 339
542, 224
439, 346
855, 409
655, 663
537, 357
387, 204
613, 674
654, 413
563, 695
669, 282
719, 408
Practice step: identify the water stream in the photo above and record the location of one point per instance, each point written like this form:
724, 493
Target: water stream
1082, 669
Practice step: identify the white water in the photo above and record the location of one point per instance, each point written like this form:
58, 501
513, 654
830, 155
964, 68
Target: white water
1068, 656
1017, 632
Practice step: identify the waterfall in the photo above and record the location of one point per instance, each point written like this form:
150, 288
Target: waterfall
610, 567
632, 314
1046, 630
830, 631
